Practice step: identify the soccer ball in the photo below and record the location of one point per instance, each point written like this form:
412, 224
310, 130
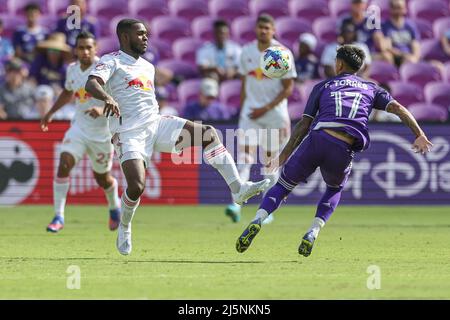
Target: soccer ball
275, 62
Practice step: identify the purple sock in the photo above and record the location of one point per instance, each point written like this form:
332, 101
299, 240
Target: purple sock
328, 203
273, 198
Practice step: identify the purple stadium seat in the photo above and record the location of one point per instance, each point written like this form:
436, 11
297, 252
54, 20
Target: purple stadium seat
186, 48
339, 7
107, 44
290, 28
276, 8
429, 10
202, 28
58, 7
170, 28
228, 9
420, 73
243, 29
428, 112
163, 47
309, 10
180, 68
296, 95
325, 29
148, 8
431, 49
188, 9
108, 9
10, 24
188, 91
3, 6
438, 93
406, 93
17, 6
384, 7
230, 95
425, 28
440, 26
383, 72
306, 88
296, 110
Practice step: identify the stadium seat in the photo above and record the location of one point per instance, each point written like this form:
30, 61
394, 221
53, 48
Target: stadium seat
406, 93
108, 9
438, 93
230, 95
296, 95
182, 69
424, 27
325, 29
10, 24
428, 112
107, 45
202, 28
383, 72
296, 110
18, 6
3, 6
420, 73
228, 9
58, 7
170, 28
186, 48
309, 10
49, 21
188, 9
339, 7
288, 29
243, 29
188, 91
148, 8
276, 8
163, 47
306, 88
440, 26
431, 49
429, 10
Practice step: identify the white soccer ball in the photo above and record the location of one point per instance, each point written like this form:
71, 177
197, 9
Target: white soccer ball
275, 62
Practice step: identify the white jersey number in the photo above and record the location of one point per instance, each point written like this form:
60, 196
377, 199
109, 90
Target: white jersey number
337, 95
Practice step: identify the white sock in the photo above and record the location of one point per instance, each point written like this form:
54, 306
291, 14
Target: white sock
60, 189
261, 214
220, 159
128, 209
316, 226
112, 195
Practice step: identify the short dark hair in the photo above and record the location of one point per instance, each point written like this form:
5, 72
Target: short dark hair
84, 35
265, 18
353, 56
32, 6
125, 25
219, 23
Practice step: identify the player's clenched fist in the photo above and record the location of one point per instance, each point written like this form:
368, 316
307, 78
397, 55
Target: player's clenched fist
111, 107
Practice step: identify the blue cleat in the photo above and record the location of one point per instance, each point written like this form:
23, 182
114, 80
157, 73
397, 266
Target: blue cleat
56, 225
307, 244
234, 212
114, 219
246, 238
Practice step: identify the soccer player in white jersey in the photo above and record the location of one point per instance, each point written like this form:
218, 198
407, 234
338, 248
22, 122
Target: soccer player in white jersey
88, 134
264, 114
125, 82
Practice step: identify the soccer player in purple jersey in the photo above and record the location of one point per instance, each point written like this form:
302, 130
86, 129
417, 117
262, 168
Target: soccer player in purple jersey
333, 127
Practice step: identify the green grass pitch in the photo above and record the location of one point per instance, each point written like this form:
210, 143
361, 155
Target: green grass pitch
188, 252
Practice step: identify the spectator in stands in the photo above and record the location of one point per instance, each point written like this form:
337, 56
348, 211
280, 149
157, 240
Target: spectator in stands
307, 64
25, 38
402, 35
162, 95
16, 95
44, 98
445, 41
49, 66
221, 58
6, 48
86, 24
207, 108
347, 36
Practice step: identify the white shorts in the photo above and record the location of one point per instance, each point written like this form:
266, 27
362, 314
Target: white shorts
100, 153
160, 135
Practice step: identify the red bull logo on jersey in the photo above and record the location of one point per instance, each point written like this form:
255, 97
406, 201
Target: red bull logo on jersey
141, 83
82, 95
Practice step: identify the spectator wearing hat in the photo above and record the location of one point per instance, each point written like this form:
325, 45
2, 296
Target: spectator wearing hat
16, 95
162, 96
207, 107
402, 35
86, 24
307, 64
49, 66
25, 38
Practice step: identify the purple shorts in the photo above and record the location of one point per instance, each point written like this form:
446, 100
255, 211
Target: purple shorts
319, 149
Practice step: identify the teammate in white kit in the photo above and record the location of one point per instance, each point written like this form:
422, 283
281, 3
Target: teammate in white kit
264, 114
88, 134
125, 82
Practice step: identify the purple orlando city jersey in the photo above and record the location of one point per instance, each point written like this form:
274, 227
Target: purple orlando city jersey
344, 103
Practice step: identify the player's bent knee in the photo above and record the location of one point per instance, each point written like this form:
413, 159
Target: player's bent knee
104, 180
135, 190
209, 135
66, 163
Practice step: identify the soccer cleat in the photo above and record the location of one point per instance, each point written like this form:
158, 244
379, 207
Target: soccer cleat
114, 219
123, 242
269, 219
234, 212
246, 238
56, 225
249, 190
307, 244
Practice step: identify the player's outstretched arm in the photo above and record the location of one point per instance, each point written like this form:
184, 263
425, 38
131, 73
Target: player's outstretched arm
94, 87
64, 98
421, 144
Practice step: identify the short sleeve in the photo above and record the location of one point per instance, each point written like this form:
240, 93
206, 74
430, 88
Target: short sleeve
382, 99
292, 73
312, 106
104, 68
